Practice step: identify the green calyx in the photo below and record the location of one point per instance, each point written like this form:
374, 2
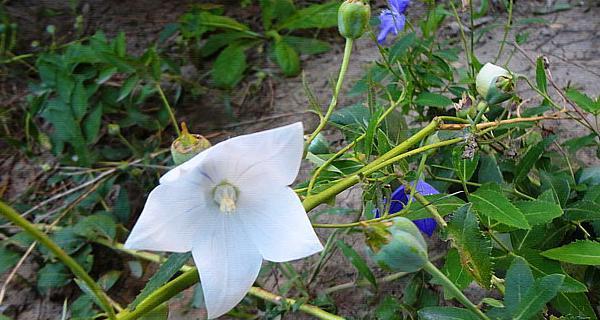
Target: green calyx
353, 18
187, 145
405, 249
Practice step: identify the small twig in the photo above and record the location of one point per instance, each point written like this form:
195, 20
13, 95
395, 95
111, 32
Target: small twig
460, 126
14, 270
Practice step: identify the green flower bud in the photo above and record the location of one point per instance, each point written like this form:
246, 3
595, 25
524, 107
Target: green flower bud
114, 129
187, 145
353, 18
404, 250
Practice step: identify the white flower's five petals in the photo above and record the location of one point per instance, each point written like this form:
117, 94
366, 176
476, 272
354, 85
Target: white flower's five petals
278, 224
228, 264
272, 155
171, 218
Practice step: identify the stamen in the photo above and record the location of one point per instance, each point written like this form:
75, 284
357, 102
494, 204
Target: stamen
225, 195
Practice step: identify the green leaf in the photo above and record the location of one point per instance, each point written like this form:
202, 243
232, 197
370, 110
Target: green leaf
109, 279
583, 210
531, 157
543, 267
287, 59
473, 247
220, 40
540, 75
489, 170
79, 101
229, 67
98, 225
538, 211
92, 123
167, 270
559, 186
583, 101
584, 252
120, 45
496, 206
464, 168
128, 87
307, 45
543, 290
7, 259
446, 313
456, 272
576, 304
315, 16
401, 46
430, 99
52, 275
389, 309
358, 262
519, 280
275, 10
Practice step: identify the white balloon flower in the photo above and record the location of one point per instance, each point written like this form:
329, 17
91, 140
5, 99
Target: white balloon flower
232, 207
488, 76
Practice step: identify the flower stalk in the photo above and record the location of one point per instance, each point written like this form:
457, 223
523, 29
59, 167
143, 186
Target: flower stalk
77, 270
336, 92
450, 286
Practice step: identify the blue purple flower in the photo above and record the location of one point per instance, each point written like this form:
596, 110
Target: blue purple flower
400, 199
392, 19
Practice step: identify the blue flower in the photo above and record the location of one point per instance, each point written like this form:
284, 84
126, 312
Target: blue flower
400, 199
393, 19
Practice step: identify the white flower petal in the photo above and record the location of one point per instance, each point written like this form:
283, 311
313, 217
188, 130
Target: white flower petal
487, 77
228, 264
172, 216
272, 155
187, 170
277, 223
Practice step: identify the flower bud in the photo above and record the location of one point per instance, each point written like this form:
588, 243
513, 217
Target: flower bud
187, 145
493, 83
114, 129
353, 18
402, 248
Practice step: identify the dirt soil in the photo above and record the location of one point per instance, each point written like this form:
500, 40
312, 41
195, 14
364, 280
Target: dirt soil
570, 40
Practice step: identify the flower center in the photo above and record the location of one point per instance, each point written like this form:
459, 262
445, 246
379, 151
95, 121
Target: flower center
225, 195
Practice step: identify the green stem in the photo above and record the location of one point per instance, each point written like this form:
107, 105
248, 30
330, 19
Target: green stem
165, 101
77, 270
336, 92
450, 286
306, 308
506, 29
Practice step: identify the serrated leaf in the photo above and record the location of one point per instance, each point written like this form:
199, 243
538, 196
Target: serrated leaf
543, 290
94, 226
496, 206
531, 157
446, 313
539, 212
559, 185
583, 210
287, 59
519, 280
92, 123
229, 66
430, 99
358, 262
167, 270
576, 304
456, 272
473, 247
584, 252
583, 101
464, 168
